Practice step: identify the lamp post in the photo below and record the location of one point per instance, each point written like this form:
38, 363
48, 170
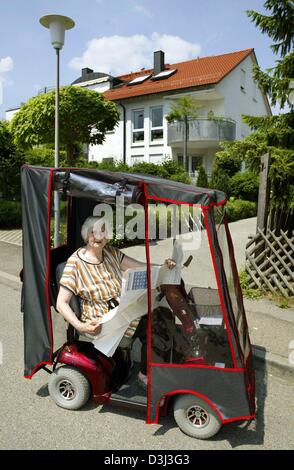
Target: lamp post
57, 24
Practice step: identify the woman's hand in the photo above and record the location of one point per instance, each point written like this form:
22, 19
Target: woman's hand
90, 327
170, 263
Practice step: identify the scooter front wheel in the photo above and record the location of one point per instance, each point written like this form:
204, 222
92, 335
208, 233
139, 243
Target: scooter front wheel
195, 417
69, 388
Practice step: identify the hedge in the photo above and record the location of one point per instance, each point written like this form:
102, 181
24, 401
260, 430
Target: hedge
245, 185
10, 214
238, 209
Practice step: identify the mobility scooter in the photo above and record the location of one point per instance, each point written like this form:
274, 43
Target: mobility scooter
200, 364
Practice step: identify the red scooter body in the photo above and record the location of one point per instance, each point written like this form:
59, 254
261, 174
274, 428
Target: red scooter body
96, 368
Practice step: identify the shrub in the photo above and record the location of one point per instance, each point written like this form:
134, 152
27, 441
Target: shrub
10, 214
150, 169
222, 182
245, 185
44, 156
238, 209
172, 167
181, 177
202, 180
226, 161
168, 169
10, 184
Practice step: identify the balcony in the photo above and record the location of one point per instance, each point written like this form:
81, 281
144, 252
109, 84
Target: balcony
202, 132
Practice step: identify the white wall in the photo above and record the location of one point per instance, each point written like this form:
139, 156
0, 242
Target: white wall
100, 87
237, 102
146, 151
217, 106
10, 113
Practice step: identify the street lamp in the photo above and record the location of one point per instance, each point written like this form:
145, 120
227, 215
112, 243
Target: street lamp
57, 24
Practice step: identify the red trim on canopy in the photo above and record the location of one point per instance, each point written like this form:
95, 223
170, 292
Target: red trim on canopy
186, 392
149, 349
36, 368
172, 201
48, 264
203, 397
199, 366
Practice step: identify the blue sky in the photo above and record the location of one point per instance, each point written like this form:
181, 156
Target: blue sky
118, 36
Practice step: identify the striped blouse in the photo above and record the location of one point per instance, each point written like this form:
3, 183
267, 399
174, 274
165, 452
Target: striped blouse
95, 284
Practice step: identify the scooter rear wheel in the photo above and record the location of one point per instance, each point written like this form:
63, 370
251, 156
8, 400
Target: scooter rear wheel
195, 417
69, 388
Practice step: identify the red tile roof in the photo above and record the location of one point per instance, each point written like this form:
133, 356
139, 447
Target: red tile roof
193, 73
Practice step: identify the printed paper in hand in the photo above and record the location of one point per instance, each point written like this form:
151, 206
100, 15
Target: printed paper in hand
133, 304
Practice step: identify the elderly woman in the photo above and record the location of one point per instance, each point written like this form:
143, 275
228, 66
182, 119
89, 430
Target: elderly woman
94, 273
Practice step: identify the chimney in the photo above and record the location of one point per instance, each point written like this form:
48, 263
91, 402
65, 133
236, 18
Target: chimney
86, 71
158, 62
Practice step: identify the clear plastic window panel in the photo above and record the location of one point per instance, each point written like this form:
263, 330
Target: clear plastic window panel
187, 324
231, 272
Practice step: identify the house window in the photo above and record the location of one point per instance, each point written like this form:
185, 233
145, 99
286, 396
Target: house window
138, 126
156, 123
243, 80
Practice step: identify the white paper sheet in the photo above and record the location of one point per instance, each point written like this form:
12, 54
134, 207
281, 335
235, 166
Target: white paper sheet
216, 321
134, 302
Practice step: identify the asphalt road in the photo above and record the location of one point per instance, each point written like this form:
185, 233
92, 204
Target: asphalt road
30, 420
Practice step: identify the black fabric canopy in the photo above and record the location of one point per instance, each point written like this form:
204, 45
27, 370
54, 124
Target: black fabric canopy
107, 184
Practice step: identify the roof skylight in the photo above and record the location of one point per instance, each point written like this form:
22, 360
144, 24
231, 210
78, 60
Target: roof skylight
164, 74
137, 80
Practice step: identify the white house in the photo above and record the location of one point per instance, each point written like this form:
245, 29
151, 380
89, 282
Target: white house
223, 85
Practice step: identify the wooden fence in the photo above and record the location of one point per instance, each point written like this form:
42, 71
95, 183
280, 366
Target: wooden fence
270, 262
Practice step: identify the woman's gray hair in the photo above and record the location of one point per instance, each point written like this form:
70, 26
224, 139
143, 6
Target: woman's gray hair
87, 225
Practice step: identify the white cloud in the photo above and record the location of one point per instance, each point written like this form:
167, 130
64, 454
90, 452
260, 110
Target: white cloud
143, 10
6, 64
123, 54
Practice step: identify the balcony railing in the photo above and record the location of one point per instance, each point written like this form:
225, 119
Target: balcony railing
202, 130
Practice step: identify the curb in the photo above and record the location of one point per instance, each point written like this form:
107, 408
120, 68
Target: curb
273, 362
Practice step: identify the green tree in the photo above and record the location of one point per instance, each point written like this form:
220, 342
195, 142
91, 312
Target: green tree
277, 132
278, 25
11, 158
183, 109
84, 118
276, 81
273, 134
